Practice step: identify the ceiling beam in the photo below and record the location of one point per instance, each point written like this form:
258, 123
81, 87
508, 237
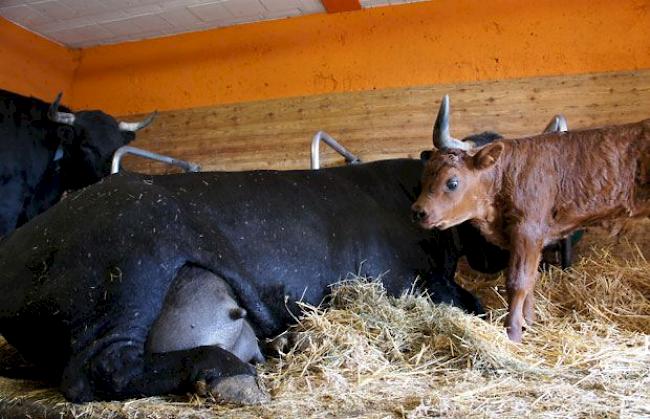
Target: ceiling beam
335, 6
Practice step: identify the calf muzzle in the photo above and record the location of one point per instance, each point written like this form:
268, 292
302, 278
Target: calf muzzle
418, 213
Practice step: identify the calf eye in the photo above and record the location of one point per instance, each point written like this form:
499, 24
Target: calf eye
452, 183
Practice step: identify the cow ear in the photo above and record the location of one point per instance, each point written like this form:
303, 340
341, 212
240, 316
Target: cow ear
488, 155
426, 155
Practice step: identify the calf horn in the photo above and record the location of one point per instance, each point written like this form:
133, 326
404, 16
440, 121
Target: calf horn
441, 137
60, 117
557, 124
135, 126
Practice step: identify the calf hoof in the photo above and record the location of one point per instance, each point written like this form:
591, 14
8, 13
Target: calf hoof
515, 334
237, 389
514, 329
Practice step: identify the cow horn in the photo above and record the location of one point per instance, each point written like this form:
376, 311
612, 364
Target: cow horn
557, 124
60, 117
441, 137
135, 126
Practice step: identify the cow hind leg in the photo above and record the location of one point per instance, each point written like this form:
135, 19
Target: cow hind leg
200, 341
201, 310
468, 301
122, 370
447, 291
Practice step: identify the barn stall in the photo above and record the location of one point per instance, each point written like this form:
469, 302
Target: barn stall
248, 86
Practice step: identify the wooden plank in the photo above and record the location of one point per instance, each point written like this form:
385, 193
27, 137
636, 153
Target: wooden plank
386, 124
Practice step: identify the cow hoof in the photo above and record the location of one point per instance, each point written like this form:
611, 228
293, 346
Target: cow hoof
279, 344
238, 389
282, 343
79, 392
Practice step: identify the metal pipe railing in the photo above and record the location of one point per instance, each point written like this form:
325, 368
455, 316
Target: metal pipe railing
122, 151
327, 139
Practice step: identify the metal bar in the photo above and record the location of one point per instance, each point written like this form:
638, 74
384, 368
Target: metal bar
327, 139
117, 157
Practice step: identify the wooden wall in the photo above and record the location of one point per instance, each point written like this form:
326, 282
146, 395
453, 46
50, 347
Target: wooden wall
389, 123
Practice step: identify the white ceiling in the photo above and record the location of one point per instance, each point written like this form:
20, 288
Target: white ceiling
84, 23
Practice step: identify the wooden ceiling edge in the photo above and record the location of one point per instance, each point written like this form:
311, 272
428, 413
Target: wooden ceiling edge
337, 6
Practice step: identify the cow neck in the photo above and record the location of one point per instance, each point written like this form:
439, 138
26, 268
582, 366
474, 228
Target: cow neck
490, 219
66, 169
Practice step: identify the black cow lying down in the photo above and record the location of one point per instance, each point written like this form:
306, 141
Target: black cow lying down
149, 285
45, 149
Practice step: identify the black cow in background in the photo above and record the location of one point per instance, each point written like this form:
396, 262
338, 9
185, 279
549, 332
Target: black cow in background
46, 150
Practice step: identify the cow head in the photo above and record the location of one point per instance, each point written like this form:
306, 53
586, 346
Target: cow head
89, 145
456, 181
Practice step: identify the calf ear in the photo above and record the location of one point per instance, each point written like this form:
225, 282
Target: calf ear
488, 155
425, 155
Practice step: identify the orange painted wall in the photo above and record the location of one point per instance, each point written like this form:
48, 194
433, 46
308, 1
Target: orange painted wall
431, 42
34, 66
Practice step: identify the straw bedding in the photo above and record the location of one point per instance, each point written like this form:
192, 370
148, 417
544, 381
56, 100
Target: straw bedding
369, 355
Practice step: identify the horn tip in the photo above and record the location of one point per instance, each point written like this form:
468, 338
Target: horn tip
444, 103
54, 106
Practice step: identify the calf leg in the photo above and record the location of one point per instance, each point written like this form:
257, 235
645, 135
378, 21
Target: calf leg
522, 274
529, 303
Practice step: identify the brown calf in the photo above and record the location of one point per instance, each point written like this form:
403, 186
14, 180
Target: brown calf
527, 192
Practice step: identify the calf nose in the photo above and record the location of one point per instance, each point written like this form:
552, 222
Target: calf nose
418, 213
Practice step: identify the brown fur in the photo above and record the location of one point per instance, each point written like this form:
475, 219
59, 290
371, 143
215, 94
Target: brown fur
525, 193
